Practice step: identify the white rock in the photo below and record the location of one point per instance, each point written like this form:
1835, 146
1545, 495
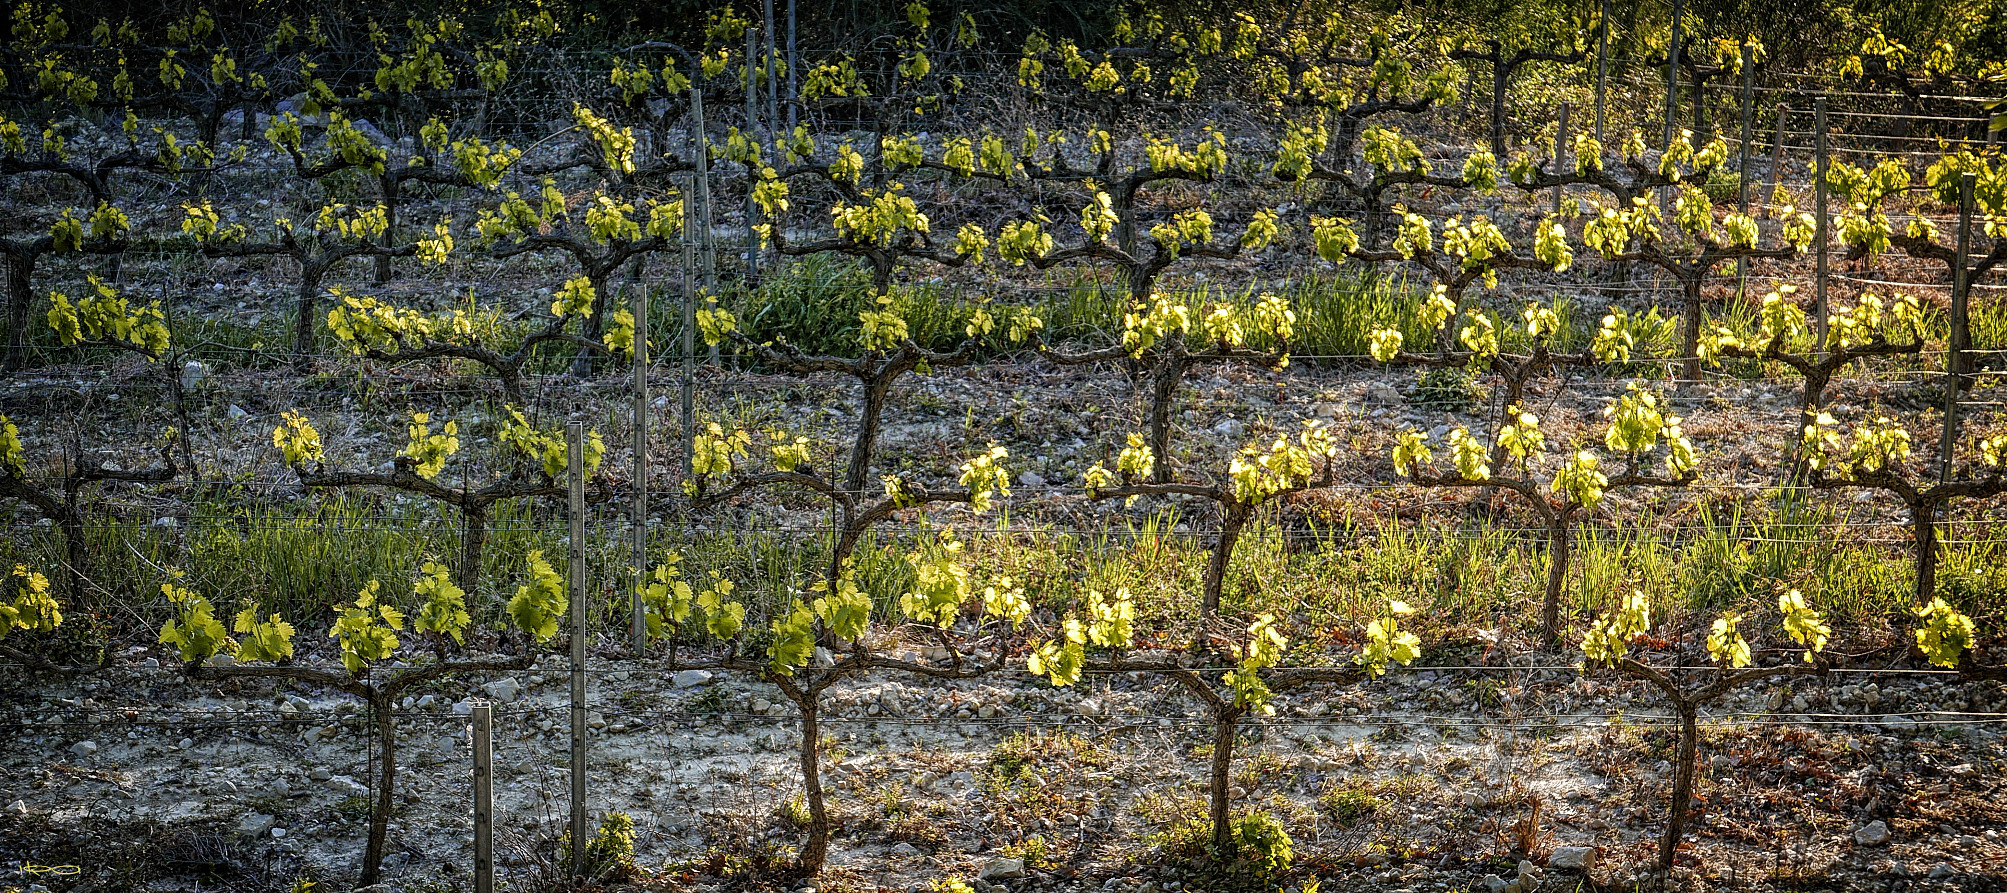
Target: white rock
505, 689
222, 660
1874, 833
193, 374
18, 807
237, 413
1495, 884
346, 786
1031, 479
1572, 858
906, 851
84, 748
692, 678
425, 702
464, 707
1001, 869
256, 824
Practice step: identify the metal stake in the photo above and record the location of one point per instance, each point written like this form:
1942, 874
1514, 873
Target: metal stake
639, 519
575, 478
484, 800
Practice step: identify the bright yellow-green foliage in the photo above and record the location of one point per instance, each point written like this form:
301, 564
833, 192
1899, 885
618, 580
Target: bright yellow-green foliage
101, 315
1193, 227
1480, 171
33, 608
1336, 239
1550, 245
715, 323
616, 144
351, 146
1265, 645
1520, 435
882, 329
1386, 643
1259, 475
270, 640
846, 610
1870, 318
1021, 241
1437, 310
575, 297
206, 226
1005, 601
367, 630
296, 439
1804, 624
482, 164
608, 220
199, 635
1414, 235
1613, 340
1725, 643
443, 606
1581, 480
619, 335
548, 447
666, 597
940, 583
1468, 454
539, 603
713, 450
1098, 218
1636, 427
13, 459
1109, 624
1610, 637
1474, 243
1134, 462
352, 224
1060, 660
881, 220
1384, 344
1880, 445
1943, 633
793, 640
723, 618
1391, 152
430, 451
986, 478
1411, 452
1612, 230
1479, 334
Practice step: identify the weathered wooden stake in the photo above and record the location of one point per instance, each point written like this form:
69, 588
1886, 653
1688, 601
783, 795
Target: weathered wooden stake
1560, 156
1742, 172
690, 278
1956, 364
1672, 74
1602, 65
1820, 232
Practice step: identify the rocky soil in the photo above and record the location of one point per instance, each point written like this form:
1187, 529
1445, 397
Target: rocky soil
1428, 780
